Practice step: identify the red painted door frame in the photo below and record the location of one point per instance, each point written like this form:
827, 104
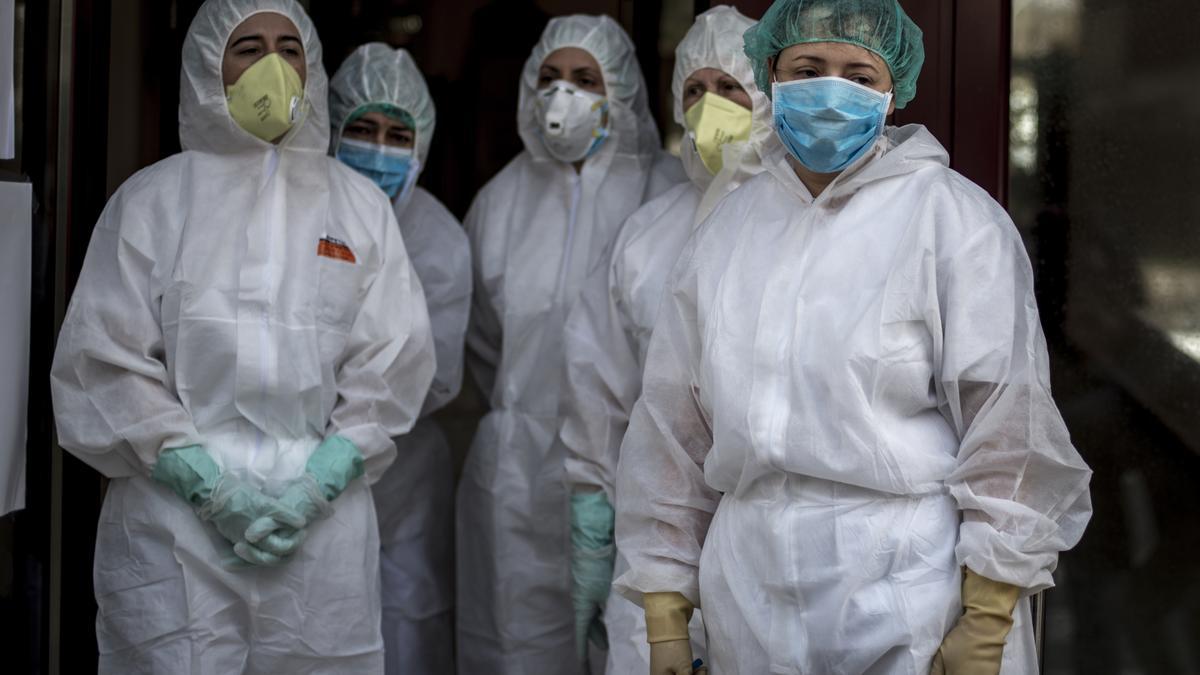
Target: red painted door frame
962, 94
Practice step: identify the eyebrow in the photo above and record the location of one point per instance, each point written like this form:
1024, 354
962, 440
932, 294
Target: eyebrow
817, 59
585, 70
259, 38
248, 38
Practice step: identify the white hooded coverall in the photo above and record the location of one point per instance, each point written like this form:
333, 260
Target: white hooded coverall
204, 315
846, 399
609, 327
535, 230
414, 499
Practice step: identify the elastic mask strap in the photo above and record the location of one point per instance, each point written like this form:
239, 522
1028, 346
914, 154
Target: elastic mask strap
602, 132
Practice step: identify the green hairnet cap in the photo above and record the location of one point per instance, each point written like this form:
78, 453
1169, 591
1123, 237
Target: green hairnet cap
880, 26
387, 109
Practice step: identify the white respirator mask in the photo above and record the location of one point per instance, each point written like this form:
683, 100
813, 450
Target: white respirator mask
572, 123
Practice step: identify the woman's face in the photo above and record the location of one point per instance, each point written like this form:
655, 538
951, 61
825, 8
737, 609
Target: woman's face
833, 59
573, 65
375, 127
713, 81
261, 34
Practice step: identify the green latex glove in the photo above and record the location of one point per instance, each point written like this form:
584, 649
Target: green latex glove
232, 505
329, 470
190, 472
975, 646
592, 556
250, 555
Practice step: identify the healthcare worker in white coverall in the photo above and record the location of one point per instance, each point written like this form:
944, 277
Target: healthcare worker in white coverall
592, 156
728, 124
846, 451
383, 120
245, 339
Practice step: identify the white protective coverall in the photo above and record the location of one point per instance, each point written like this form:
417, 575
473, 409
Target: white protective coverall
204, 315
414, 500
535, 229
608, 329
845, 399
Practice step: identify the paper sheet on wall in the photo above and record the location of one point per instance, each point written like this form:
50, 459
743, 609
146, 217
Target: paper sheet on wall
8, 118
16, 241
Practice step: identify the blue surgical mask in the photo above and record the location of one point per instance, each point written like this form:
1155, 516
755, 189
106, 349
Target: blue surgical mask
393, 169
828, 123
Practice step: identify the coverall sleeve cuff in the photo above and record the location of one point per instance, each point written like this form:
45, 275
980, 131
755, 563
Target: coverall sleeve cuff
996, 556
378, 450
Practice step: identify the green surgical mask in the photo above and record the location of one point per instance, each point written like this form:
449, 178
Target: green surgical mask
714, 121
265, 100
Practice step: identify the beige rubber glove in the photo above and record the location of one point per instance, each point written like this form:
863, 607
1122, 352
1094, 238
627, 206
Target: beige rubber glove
975, 645
667, 616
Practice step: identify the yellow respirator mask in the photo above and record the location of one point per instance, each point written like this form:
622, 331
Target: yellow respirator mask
714, 121
265, 100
